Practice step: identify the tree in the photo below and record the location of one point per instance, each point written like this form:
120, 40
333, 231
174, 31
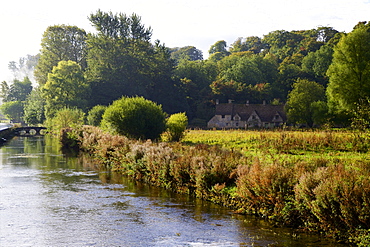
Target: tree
65, 87
123, 62
19, 90
34, 108
13, 110
176, 125
318, 62
60, 43
190, 53
135, 117
219, 46
95, 115
252, 43
302, 101
349, 73
66, 118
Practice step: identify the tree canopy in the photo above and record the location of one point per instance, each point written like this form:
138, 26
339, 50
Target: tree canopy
349, 72
121, 60
60, 43
65, 87
302, 101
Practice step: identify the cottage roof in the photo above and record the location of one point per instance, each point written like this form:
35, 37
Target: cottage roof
265, 112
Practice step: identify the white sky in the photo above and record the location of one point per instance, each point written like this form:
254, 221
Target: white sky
176, 23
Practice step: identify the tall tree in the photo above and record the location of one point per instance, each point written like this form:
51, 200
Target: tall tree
349, 73
251, 43
190, 53
118, 57
123, 62
34, 108
302, 102
218, 50
65, 87
19, 90
60, 43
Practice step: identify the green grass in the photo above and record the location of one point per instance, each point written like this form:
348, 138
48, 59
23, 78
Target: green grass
301, 145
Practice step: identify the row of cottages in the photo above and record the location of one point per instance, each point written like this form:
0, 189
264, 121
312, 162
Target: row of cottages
248, 116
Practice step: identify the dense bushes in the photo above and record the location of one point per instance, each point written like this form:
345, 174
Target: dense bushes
330, 196
135, 117
176, 126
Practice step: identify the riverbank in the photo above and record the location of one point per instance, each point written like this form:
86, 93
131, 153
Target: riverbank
323, 194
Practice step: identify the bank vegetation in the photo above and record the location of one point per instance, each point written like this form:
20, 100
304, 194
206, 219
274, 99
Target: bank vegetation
317, 181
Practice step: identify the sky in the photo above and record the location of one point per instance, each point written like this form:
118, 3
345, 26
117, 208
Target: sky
176, 23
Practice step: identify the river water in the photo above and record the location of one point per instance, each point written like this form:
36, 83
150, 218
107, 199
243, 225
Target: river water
49, 199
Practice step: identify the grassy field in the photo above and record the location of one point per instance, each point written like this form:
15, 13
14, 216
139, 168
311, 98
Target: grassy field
343, 145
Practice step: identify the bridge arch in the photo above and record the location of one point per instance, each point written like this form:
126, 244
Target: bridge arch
28, 131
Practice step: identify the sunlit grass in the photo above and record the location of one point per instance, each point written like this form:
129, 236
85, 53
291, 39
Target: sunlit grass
341, 145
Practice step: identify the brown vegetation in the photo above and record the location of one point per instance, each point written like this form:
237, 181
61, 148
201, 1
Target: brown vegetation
323, 194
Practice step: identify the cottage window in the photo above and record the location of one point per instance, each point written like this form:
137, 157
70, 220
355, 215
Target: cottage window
236, 124
222, 116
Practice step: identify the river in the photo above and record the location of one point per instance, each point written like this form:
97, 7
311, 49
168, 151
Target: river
49, 199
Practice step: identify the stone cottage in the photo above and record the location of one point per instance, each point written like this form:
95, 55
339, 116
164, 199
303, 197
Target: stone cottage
247, 115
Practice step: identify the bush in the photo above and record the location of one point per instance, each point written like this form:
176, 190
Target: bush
176, 126
66, 118
135, 117
95, 115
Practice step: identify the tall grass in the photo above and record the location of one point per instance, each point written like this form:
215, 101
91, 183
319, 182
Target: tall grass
317, 181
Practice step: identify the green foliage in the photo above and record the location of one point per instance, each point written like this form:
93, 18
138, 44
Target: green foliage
34, 108
176, 126
135, 117
349, 73
66, 87
60, 43
252, 43
66, 118
219, 46
299, 105
13, 110
95, 115
361, 115
189, 53
318, 62
17, 91
123, 62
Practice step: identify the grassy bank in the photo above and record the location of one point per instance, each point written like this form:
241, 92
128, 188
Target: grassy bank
314, 181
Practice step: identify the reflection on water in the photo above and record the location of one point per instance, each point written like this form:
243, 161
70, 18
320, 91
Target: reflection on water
48, 199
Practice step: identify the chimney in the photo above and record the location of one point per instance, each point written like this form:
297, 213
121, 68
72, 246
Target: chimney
217, 102
230, 101
247, 103
264, 102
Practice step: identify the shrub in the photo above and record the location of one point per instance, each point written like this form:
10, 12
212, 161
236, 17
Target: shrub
176, 126
95, 115
335, 199
66, 118
135, 117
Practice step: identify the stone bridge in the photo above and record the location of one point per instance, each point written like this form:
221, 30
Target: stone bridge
28, 131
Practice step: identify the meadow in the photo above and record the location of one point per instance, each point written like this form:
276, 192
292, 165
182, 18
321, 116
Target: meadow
315, 181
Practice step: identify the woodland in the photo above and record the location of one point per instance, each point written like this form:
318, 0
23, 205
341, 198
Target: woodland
320, 75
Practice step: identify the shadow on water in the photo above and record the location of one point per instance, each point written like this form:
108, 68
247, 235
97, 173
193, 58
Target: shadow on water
50, 199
